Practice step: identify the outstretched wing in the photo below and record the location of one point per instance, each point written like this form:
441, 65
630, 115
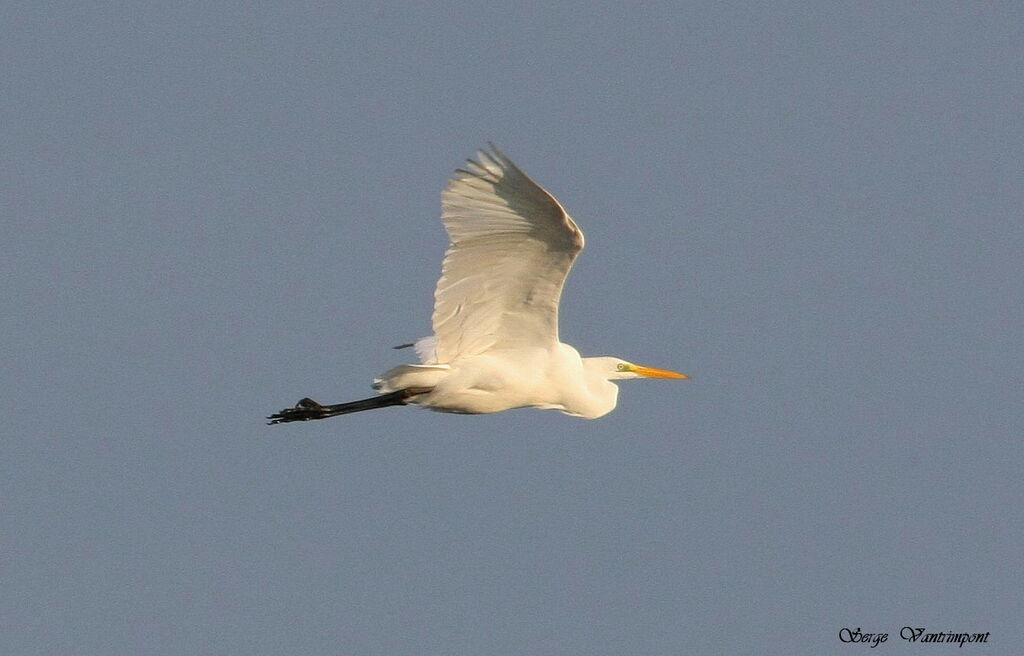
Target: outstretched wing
512, 246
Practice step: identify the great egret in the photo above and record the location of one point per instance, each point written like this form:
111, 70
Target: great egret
495, 344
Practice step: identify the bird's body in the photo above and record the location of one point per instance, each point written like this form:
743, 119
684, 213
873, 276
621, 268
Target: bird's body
495, 345
503, 379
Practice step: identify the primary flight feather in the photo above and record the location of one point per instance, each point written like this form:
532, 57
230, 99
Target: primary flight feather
495, 344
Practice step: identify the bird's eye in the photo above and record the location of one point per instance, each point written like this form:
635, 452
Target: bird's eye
622, 366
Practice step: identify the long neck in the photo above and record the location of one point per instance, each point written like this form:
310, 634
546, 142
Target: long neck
600, 396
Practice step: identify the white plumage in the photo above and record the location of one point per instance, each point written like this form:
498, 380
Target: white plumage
512, 248
495, 344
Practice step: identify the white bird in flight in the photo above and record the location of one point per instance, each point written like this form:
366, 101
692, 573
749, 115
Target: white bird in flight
495, 344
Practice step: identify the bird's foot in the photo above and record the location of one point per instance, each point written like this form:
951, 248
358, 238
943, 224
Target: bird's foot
304, 410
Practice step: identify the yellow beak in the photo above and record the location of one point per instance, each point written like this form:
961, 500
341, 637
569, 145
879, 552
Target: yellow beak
651, 372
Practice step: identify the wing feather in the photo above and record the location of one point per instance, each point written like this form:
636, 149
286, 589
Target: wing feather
512, 245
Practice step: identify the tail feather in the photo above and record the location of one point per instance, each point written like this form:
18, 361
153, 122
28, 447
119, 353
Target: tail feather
406, 376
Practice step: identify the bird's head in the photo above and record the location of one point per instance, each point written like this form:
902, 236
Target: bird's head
616, 369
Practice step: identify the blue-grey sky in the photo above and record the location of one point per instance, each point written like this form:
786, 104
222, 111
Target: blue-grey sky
211, 210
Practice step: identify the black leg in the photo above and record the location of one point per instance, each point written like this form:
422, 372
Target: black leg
307, 409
